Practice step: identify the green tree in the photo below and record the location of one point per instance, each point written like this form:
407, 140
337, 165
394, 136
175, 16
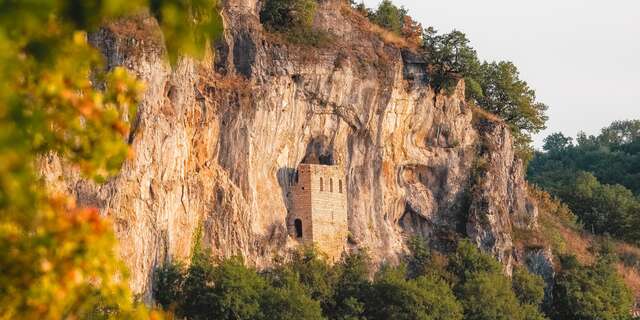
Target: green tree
485, 292
603, 208
506, 95
351, 285
468, 261
590, 292
529, 288
287, 299
57, 260
391, 296
488, 296
495, 87
168, 281
317, 277
285, 15
449, 54
557, 142
389, 16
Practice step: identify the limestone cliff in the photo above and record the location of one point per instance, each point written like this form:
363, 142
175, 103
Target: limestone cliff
217, 141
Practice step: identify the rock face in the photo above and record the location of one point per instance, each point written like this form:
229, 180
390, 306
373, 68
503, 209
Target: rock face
216, 143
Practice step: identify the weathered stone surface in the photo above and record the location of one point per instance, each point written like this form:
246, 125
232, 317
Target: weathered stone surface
213, 139
317, 214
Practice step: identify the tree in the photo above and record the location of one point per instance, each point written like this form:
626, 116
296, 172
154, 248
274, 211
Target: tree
391, 296
284, 15
316, 276
557, 142
389, 16
495, 87
485, 292
488, 296
451, 53
590, 292
529, 288
168, 281
468, 260
57, 260
352, 283
506, 95
287, 299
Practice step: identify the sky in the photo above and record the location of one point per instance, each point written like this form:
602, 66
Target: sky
581, 56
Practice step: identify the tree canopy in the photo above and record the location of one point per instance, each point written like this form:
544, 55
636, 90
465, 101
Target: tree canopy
493, 86
597, 177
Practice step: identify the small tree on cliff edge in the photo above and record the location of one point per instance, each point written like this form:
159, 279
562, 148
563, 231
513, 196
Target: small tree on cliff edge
495, 87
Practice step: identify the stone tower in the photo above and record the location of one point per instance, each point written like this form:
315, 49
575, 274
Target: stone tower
319, 209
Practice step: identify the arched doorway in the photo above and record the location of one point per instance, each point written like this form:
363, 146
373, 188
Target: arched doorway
298, 225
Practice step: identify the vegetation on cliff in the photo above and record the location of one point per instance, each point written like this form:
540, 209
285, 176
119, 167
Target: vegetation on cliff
57, 260
468, 285
494, 86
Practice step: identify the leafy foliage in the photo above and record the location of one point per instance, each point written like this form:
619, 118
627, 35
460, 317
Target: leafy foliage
590, 292
597, 177
294, 19
494, 86
483, 290
57, 260
392, 18
389, 16
306, 287
529, 288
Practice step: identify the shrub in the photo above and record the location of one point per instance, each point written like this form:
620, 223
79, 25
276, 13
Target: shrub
283, 15
468, 260
294, 19
389, 16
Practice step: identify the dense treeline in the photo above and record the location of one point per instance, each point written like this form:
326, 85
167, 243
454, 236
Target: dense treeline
466, 285
470, 285
598, 177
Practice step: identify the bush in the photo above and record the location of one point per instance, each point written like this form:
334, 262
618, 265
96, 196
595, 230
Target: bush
306, 287
283, 15
389, 16
294, 19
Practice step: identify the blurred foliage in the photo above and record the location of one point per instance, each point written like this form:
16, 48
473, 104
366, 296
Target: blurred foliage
597, 177
57, 260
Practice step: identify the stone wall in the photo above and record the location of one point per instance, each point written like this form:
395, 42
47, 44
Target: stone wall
301, 206
320, 201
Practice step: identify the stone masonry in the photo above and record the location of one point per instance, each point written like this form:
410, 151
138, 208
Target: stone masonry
319, 209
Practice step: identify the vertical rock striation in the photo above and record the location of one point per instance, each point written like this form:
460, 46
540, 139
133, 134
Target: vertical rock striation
216, 143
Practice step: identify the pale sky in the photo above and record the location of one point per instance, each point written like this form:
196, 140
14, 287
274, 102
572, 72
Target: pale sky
581, 56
